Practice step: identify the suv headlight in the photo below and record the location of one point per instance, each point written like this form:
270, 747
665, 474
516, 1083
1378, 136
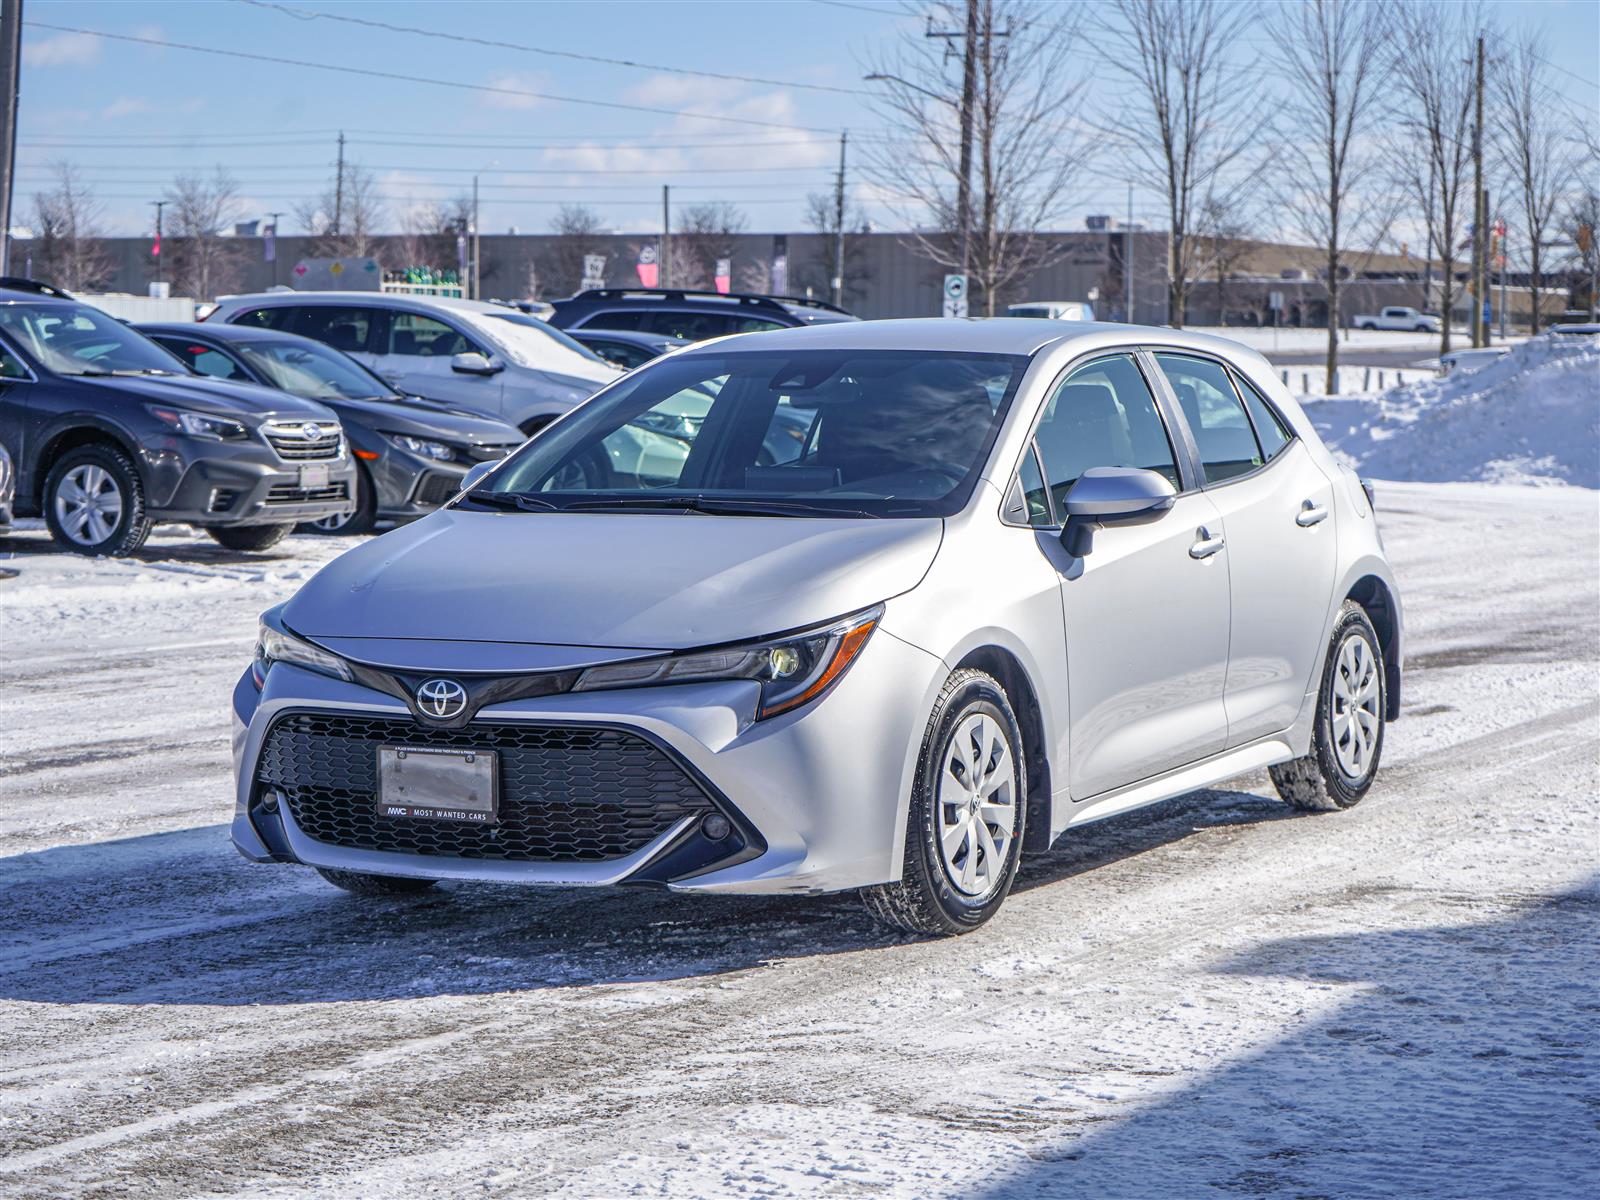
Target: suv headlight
275, 646
198, 424
427, 447
792, 670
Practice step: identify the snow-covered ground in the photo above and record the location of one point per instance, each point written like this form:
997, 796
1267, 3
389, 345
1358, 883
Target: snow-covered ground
1290, 339
1531, 417
1211, 997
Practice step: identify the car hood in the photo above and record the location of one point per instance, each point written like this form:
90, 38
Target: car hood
212, 396
629, 581
426, 419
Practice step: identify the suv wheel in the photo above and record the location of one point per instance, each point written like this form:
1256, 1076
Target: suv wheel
94, 502
357, 521
249, 537
964, 832
359, 884
1348, 739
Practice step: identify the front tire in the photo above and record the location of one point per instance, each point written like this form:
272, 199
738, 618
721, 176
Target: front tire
94, 502
360, 884
249, 537
1348, 739
354, 523
964, 830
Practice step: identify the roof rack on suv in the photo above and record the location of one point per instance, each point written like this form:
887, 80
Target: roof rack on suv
808, 302
750, 299
16, 283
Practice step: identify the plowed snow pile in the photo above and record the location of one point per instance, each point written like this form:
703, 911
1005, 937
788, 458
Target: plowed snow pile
1532, 417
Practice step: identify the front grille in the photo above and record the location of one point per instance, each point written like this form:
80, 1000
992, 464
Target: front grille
567, 793
289, 440
436, 487
287, 493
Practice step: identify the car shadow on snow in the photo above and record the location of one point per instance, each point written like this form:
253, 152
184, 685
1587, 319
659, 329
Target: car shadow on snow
179, 918
1452, 1060
202, 552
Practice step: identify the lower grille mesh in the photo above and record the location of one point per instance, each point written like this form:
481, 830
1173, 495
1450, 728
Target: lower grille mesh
567, 794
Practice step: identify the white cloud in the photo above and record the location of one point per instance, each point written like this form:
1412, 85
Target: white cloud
515, 83
62, 50
675, 91
127, 106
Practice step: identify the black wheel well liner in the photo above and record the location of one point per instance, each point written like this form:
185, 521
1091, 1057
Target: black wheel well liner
1374, 596
1019, 689
67, 440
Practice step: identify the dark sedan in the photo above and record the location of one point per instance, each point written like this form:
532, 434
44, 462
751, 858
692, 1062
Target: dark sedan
628, 348
411, 453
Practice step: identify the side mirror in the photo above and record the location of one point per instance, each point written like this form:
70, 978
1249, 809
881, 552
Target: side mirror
473, 363
475, 474
1107, 494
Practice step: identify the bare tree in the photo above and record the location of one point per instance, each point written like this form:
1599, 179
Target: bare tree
1223, 243
204, 261
1580, 227
67, 249
343, 220
816, 271
705, 233
429, 234
1196, 114
577, 231
1432, 70
1533, 149
1025, 139
1331, 52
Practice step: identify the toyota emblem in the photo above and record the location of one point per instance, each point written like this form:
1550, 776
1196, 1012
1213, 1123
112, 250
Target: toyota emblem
442, 699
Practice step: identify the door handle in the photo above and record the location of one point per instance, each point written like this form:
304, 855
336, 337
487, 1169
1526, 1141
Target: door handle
1310, 514
1207, 545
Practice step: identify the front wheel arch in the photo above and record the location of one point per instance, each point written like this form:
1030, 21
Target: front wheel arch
67, 440
1013, 678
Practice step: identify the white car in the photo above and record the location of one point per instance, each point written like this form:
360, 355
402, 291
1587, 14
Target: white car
1053, 310
1398, 317
486, 357
1464, 362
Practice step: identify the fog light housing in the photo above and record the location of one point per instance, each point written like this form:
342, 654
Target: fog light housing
716, 827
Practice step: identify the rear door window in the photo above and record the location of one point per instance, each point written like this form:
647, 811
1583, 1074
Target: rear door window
416, 336
695, 326
613, 319
1216, 416
343, 328
1270, 429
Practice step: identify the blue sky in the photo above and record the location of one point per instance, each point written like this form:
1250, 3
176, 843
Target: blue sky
130, 115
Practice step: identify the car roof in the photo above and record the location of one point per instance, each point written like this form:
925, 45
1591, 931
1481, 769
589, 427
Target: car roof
973, 335
221, 331
368, 299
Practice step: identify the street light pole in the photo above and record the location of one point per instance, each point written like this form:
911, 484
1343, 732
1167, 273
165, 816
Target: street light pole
10, 73
275, 217
476, 280
161, 270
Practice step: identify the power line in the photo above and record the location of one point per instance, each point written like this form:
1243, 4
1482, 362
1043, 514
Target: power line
675, 170
491, 89
302, 14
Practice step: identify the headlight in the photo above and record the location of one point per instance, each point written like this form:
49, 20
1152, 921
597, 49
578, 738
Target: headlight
792, 671
275, 646
438, 451
198, 424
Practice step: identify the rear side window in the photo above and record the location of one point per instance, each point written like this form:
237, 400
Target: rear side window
342, 328
695, 326
755, 325
1215, 415
279, 316
1270, 431
1102, 415
416, 336
615, 320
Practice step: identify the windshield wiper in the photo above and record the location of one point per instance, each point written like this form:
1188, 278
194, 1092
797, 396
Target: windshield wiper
717, 506
511, 501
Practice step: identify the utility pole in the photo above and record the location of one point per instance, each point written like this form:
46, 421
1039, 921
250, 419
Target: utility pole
10, 75
338, 190
275, 217
477, 272
664, 269
161, 270
969, 91
1480, 335
1127, 261
838, 226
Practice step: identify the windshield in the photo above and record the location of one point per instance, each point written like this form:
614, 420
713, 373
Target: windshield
529, 342
313, 371
74, 339
825, 433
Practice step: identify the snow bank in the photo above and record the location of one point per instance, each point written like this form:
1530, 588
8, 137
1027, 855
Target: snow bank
1532, 417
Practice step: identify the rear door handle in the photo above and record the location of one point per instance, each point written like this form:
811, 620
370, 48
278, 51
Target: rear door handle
1207, 545
1310, 514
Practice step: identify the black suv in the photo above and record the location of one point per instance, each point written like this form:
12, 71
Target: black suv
110, 434
693, 316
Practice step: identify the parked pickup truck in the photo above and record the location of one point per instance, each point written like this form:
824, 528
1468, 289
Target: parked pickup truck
1395, 317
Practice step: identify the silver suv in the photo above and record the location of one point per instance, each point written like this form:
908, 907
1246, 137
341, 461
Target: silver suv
486, 357
912, 598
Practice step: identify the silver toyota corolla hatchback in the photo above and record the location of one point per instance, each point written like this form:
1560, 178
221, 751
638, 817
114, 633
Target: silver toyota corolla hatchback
874, 606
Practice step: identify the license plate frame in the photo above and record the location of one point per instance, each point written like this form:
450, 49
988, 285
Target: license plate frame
428, 783
314, 477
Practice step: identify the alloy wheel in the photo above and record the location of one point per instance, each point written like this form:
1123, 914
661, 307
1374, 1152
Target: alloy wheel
977, 805
1355, 702
88, 504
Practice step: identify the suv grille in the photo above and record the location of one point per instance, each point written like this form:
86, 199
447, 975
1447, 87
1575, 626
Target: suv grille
289, 440
567, 793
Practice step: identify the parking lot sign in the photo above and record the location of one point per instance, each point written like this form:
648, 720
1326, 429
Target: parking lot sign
955, 295
594, 271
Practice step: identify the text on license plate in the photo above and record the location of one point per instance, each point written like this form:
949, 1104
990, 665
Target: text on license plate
423, 783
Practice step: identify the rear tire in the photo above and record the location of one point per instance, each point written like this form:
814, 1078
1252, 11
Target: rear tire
358, 883
249, 537
94, 502
1347, 741
963, 843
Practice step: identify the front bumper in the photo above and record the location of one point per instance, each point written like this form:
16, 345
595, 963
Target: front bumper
818, 797
226, 483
